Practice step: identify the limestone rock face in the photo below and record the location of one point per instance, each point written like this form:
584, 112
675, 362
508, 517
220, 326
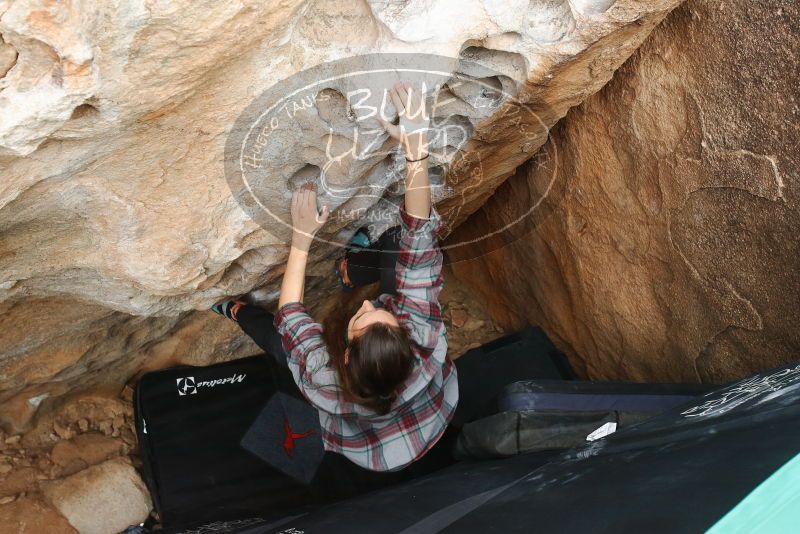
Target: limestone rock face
116, 222
666, 247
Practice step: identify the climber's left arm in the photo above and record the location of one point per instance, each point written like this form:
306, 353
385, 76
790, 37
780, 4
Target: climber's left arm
412, 133
306, 221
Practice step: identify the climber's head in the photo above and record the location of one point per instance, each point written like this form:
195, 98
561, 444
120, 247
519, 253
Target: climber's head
366, 316
376, 359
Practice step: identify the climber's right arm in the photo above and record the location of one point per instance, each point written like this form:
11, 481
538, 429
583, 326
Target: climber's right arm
301, 336
306, 221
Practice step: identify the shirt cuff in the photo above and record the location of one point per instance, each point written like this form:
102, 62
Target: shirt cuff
416, 224
285, 313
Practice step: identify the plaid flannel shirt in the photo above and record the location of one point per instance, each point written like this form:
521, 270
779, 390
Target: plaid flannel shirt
425, 405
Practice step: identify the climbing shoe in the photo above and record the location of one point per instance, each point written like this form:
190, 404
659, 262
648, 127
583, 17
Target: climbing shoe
228, 308
360, 239
341, 273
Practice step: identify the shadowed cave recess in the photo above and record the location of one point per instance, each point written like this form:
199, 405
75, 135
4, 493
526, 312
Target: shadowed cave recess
622, 174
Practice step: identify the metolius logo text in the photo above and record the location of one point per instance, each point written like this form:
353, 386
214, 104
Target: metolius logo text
188, 386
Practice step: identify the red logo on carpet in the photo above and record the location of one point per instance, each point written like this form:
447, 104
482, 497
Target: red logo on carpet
288, 441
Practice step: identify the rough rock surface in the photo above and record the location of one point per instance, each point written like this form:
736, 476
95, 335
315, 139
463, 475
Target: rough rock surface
667, 247
84, 450
116, 222
102, 499
85, 431
31, 516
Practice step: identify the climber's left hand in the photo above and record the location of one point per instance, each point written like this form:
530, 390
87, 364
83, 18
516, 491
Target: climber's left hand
306, 219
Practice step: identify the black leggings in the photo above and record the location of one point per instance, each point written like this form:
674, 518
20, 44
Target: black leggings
258, 323
364, 266
376, 262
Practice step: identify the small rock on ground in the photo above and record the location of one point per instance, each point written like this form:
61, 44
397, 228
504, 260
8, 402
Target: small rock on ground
102, 499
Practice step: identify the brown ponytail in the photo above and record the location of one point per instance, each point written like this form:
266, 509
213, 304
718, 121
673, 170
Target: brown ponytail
380, 359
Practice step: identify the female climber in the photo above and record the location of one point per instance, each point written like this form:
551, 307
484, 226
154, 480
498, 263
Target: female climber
380, 379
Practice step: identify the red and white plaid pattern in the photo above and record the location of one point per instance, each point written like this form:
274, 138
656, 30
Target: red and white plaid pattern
427, 400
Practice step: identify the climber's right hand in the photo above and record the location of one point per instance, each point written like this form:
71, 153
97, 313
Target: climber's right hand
412, 131
306, 219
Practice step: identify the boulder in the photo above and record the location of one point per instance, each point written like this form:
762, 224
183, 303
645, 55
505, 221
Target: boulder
664, 246
118, 226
